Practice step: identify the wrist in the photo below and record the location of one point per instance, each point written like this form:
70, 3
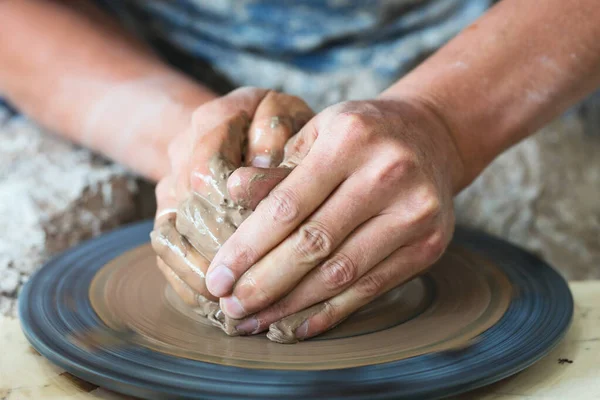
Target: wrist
161, 125
492, 88
432, 121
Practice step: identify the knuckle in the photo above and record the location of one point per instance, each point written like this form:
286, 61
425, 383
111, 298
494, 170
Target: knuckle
241, 255
246, 254
311, 135
283, 206
433, 247
429, 205
396, 168
337, 272
370, 285
313, 242
353, 125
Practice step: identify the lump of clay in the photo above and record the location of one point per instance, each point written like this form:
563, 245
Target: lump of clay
206, 218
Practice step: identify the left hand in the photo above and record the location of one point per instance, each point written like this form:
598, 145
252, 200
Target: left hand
198, 205
368, 206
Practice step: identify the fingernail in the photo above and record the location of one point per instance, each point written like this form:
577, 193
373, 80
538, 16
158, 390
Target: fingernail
302, 330
220, 281
232, 307
248, 326
261, 161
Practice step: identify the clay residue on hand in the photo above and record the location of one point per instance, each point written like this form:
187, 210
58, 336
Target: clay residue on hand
284, 331
176, 251
278, 117
203, 223
209, 216
228, 325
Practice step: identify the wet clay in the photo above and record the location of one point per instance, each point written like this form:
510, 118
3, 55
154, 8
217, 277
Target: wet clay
446, 309
188, 242
207, 221
207, 217
284, 331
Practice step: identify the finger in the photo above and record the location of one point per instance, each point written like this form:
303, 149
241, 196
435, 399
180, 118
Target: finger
214, 155
207, 117
213, 113
277, 118
398, 268
347, 208
279, 214
366, 247
183, 290
247, 186
296, 148
175, 251
205, 139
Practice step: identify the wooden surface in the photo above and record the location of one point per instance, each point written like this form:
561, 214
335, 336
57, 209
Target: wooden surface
24, 374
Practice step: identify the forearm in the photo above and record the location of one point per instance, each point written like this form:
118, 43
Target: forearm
77, 73
517, 67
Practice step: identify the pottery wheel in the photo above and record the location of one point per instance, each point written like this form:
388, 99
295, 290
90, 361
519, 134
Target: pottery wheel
486, 310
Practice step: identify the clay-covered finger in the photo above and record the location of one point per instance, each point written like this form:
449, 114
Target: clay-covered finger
393, 271
205, 226
214, 156
180, 256
278, 215
353, 259
183, 290
220, 127
315, 240
278, 117
247, 186
209, 135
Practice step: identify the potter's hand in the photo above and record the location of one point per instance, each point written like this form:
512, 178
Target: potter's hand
368, 206
196, 211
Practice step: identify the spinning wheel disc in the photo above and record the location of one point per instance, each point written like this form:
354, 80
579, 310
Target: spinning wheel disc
413, 342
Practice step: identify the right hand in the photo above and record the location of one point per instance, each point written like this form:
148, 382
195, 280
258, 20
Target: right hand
198, 206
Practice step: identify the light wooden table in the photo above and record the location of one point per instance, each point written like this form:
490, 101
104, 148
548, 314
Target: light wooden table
24, 374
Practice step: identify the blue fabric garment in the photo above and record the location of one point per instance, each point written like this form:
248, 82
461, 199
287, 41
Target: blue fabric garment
322, 50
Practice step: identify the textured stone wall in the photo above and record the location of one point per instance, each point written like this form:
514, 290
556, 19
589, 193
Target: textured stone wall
53, 195
543, 194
